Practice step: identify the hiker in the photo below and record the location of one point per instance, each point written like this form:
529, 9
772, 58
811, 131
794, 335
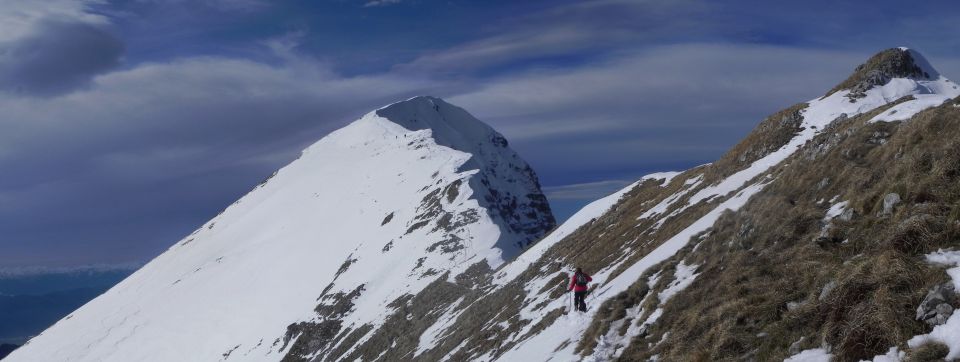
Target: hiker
578, 284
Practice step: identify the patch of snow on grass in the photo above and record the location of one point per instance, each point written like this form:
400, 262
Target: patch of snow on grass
893, 355
949, 332
908, 109
665, 176
948, 258
684, 276
660, 208
835, 210
810, 355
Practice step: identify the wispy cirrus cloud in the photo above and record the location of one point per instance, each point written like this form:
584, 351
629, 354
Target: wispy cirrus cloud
375, 3
221, 5
20, 18
572, 29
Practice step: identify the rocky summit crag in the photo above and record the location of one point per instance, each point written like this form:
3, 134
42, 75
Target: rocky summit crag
832, 231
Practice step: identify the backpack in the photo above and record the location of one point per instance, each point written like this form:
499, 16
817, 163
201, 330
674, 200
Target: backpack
580, 279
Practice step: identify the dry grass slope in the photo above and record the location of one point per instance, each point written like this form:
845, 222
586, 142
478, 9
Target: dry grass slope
766, 284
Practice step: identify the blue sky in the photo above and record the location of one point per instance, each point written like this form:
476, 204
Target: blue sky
126, 124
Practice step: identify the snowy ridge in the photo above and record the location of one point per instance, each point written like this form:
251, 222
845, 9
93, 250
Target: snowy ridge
821, 112
559, 340
373, 212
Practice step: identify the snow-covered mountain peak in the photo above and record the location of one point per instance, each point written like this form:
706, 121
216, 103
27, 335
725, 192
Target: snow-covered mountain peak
450, 125
899, 76
507, 187
415, 193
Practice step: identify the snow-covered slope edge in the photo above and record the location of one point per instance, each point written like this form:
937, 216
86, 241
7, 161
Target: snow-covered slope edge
411, 194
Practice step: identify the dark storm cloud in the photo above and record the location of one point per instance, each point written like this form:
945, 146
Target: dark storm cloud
58, 56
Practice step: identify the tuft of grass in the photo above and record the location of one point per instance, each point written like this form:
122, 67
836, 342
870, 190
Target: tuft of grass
868, 311
916, 234
928, 352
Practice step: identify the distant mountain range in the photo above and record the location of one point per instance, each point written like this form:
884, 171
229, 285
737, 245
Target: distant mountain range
32, 300
6, 349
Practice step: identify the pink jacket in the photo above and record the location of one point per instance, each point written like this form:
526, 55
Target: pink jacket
578, 288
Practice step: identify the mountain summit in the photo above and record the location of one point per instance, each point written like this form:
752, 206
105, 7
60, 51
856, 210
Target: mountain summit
886, 65
507, 187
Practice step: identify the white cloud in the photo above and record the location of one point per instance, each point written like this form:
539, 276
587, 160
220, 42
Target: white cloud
221, 5
50, 47
508, 47
375, 3
571, 29
18, 18
661, 88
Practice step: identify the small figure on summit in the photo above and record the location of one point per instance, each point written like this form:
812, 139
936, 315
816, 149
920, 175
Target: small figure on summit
578, 284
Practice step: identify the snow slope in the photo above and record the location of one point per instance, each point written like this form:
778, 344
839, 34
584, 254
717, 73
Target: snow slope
372, 212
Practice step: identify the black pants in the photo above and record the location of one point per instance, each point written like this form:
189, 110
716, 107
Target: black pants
578, 301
